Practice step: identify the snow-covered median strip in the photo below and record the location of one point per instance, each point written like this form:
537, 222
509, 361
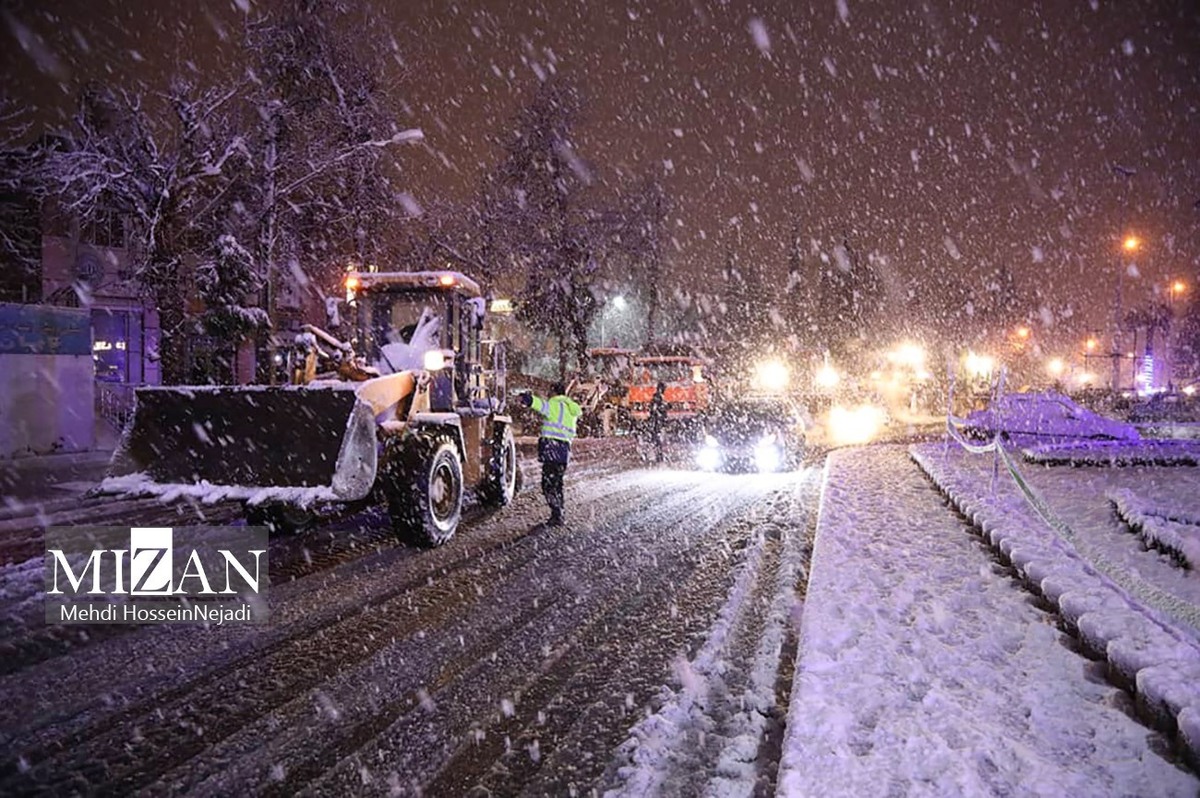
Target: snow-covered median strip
1173, 529
1155, 653
1113, 453
923, 668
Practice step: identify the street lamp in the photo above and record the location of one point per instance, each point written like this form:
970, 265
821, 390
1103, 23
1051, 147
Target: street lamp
1130, 244
827, 377
1176, 288
979, 366
618, 304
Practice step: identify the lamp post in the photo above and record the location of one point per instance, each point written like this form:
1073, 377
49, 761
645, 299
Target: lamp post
1091, 349
618, 304
1129, 246
1176, 288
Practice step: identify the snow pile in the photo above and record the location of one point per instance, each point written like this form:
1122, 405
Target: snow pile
1179, 430
1113, 453
1146, 632
1173, 529
924, 669
142, 484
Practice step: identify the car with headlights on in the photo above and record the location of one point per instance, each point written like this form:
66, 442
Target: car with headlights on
761, 435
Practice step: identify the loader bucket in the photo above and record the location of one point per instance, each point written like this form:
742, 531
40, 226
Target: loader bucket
295, 444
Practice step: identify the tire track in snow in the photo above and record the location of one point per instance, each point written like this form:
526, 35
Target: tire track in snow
707, 737
414, 737
154, 650
552, 745
305, 655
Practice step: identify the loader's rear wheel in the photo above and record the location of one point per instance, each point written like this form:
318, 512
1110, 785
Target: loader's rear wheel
426, 503
280, 519
501, 483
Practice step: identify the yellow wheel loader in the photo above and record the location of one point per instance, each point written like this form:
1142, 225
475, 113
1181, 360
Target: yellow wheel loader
409, 413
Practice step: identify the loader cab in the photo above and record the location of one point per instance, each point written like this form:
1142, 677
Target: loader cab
431, 321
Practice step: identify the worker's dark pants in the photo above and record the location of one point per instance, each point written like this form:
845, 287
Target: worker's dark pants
656, 438
552, 486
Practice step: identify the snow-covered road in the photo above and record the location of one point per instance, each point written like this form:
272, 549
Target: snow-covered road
668, 641
516, 657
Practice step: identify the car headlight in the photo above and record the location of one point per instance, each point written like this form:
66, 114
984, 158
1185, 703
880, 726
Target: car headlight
766, 454
709, 458
710, 442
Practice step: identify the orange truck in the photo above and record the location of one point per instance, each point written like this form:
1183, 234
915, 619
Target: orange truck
687, 389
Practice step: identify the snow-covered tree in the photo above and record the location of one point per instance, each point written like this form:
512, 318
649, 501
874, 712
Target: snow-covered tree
800, 302
540, 218
848, 298
225, 279
164, 175
20, 198
639, 241
320, 192
1187, 340
739, 315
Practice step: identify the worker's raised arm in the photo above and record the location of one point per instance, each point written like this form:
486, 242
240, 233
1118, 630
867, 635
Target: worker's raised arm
541, 406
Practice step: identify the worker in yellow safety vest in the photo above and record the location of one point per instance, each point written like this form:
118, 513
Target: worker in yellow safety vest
559, 413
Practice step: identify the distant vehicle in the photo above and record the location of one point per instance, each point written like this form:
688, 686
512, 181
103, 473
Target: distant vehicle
601, 390
1048, 414
761, 435
686, 387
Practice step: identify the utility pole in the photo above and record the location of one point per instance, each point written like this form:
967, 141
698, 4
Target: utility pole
1128, 174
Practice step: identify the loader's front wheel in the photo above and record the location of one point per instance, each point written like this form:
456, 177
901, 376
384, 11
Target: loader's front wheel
501, 483
426, 505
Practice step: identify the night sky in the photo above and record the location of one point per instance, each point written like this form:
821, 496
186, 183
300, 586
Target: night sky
942, 139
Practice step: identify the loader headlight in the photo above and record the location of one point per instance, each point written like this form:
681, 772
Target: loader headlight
434, 360
766, 454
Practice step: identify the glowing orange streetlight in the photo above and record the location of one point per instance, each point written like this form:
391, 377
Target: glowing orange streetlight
1176, 288
1091, 344
1131, 243
1023, 332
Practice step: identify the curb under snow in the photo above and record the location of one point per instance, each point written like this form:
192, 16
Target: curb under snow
1143, 653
